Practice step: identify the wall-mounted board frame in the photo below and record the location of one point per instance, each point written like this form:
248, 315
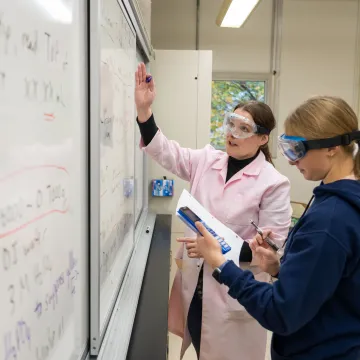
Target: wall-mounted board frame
112, 158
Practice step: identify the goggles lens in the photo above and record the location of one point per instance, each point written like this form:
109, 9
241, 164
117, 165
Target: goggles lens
295, 148
240, 127
292, 147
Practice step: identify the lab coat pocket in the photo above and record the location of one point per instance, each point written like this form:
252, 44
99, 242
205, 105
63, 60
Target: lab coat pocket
235, 310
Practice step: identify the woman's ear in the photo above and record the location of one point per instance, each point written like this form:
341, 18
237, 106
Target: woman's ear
332, 151
264, 139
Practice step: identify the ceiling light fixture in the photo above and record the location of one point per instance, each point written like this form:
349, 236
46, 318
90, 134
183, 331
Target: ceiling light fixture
233, 13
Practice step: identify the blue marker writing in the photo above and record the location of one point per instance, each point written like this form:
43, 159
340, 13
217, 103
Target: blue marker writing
38, 309
148, 79
10, 350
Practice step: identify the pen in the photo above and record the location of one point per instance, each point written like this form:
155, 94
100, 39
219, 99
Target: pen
268, 240
148, 78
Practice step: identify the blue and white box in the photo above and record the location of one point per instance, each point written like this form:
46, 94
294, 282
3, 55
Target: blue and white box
162, 188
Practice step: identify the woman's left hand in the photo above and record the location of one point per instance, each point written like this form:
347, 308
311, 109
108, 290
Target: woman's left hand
205, 245
191, 247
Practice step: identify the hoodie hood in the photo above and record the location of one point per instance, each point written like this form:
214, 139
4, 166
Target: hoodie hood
348, 190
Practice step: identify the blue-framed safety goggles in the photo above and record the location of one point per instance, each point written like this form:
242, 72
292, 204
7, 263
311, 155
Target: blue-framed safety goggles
295, 148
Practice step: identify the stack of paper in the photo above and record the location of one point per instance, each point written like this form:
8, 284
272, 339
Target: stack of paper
234, 240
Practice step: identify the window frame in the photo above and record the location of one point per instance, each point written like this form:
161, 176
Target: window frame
267, 78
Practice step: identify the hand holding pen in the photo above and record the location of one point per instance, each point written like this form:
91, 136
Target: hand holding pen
270, 242
145, 93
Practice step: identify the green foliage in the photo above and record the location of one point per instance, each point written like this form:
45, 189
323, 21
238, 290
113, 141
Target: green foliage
226, 94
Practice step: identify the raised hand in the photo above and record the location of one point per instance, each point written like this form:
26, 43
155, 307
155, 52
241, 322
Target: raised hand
145, 93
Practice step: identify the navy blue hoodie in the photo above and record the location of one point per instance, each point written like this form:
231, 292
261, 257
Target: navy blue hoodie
314, 308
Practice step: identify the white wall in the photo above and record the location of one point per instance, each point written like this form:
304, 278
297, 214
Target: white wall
319, 54
318, 57
183, 82
237, 50
173, 24
173, 27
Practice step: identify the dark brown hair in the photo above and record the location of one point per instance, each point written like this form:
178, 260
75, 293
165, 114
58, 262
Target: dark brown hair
262, 116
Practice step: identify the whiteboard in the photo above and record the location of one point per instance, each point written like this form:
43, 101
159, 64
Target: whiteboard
117, 153
139, 160
43, 271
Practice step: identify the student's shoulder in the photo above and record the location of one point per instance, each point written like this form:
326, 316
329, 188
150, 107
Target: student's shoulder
339, 212
336, 218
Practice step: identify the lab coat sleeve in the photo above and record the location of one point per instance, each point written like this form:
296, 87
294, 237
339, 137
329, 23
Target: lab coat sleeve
275, 209
308, 278
171, 156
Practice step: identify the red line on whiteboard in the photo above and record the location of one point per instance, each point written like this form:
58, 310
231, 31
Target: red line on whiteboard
23, 226
30, 168
49, 117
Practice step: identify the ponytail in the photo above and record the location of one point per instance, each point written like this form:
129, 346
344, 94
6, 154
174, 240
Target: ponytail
266, 151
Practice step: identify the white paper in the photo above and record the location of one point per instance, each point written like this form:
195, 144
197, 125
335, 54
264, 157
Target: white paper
234, 240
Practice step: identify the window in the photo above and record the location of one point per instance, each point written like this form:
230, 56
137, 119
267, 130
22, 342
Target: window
226, 94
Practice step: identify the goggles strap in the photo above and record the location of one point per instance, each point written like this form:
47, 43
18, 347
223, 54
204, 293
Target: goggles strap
344, 140
261, 130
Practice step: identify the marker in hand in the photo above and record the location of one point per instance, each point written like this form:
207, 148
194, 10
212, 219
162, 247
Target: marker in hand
148, 78
268, 240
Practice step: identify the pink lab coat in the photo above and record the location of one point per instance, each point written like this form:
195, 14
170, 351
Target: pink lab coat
258, 192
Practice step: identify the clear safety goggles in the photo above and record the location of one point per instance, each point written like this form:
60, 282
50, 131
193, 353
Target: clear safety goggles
240, 127
295, 148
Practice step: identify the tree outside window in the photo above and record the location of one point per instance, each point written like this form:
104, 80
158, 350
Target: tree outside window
226, 94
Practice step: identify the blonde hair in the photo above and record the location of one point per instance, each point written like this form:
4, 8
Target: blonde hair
322, 117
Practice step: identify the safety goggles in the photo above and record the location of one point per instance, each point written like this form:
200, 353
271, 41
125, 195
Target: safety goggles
295, 148
241, 127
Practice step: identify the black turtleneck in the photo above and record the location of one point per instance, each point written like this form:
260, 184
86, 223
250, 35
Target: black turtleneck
149, 129
235, 165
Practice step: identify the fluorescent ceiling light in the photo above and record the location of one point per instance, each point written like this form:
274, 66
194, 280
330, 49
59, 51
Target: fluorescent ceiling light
57, 10
233, 13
